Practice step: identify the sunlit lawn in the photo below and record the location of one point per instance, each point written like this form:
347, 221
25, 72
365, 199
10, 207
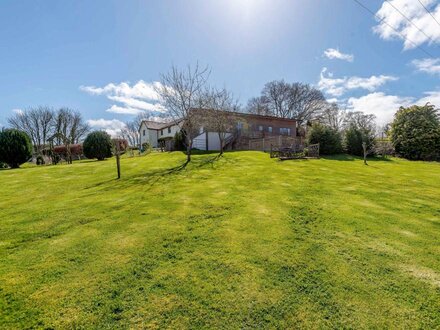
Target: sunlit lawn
235, 242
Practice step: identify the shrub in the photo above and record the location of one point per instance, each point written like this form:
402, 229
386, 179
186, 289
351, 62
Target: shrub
415, 132
354, 137
40, 160
15, 147
329, 139
97, 145
75, 150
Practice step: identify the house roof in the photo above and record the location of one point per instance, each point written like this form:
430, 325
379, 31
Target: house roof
252, 115
158, 125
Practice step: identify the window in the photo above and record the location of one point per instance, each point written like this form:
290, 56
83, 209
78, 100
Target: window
169, 130
161, 132
269, 129
260, 128
143, 133
284, 131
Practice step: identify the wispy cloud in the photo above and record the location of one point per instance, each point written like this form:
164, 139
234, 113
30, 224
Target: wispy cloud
131, 100
409, 33
339, 86
428, 65
333, 53
112, 127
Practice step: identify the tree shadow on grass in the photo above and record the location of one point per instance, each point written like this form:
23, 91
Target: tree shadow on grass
157, 176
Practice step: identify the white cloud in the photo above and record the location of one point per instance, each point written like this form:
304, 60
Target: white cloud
428, 65
333, 53
17, 111
379, 104
407, 32
432, 97
140, 97
338, 86
112, 127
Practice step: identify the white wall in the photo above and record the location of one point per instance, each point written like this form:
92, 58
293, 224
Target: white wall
199, 142
174, 130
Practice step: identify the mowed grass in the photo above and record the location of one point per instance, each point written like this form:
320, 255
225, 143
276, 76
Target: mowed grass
241, 241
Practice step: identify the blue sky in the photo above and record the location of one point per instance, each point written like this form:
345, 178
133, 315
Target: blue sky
88, 55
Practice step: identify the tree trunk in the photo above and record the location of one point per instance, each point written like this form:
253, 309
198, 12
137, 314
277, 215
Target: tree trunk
221, 146
188, 151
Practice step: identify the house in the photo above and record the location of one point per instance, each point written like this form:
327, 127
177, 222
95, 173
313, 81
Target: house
153, 133
248, 128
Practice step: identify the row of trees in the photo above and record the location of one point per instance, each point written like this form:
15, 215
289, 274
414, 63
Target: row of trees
414, 133
337, 131
43, 124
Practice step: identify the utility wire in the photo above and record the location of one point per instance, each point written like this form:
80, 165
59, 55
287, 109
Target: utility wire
412, 23
392, 27
429, 12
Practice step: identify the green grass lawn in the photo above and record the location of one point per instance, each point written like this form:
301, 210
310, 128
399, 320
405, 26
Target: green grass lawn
237, 242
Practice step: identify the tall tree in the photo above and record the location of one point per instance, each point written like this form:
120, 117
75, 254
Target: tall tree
37, 123
296, 101
181, 92
69, 124
415, 132
360, 131
258, 106
333, 117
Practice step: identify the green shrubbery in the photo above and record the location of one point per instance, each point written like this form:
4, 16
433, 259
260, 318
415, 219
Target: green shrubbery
415, 132
97, 145
15, 147
329, 139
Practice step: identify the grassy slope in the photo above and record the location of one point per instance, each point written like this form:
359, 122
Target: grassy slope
244, 241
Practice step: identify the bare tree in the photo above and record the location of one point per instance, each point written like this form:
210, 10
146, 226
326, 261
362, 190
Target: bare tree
221, 105
71, 125
69, 128
305, 102
362, 121
37, 123
296, 101
182, 91
258, 106
131, 133
333, 116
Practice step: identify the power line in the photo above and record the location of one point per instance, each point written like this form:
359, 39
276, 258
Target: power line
392, 27
412, 23
429, 12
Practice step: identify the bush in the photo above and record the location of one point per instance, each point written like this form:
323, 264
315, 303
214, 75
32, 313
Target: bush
354, 137
76, 150
15, 147
97, 145
415, 132
329, 139
179, 141
40, 160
